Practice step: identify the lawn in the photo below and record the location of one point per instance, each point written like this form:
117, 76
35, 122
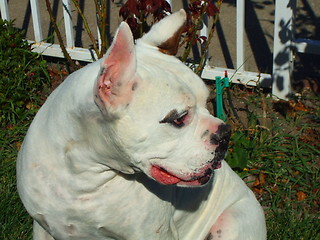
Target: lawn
275, 146
276, 150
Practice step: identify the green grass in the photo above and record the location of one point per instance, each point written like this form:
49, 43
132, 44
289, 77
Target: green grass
14, 220
281, 159
23, 80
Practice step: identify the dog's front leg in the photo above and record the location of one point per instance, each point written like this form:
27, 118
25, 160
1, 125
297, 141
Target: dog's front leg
242, 221
39, 233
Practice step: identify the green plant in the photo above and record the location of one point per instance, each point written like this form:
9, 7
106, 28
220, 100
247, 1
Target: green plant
198, 11
240, 150
23, 75
277, 154
15, 223
23, 86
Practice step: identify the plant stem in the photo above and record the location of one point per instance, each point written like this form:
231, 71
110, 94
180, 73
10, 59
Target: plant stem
142, 20
101, 9
105, 42
87, 28
57, 31
200, 67
190, 42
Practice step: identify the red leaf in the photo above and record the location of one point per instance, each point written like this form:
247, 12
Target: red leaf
133, 7
124, 12
203, 38
211, 9
166, 6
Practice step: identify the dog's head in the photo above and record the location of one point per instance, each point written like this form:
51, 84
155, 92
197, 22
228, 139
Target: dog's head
157, 107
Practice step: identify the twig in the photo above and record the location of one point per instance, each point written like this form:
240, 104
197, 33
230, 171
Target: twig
57, 31
104, 42
233, 108
204, 50
87, 28
101, 9
191, 41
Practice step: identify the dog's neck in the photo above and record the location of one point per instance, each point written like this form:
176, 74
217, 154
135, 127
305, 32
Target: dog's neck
80, 141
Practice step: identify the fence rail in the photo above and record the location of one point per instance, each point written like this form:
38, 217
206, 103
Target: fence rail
284, 44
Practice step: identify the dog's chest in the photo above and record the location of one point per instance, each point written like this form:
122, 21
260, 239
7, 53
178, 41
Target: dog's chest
117, 211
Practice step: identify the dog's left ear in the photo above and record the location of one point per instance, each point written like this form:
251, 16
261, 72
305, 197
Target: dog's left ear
165, 35
116, 82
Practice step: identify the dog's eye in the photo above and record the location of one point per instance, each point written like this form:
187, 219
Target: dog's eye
179, 122
175, 119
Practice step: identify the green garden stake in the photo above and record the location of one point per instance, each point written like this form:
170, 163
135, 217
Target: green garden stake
221, 83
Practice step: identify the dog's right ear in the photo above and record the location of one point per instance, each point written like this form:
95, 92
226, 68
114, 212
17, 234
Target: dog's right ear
116, 82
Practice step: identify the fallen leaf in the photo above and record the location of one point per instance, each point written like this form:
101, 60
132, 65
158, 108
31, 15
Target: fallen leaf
301, 195
30, 106
296, 173
256, 182
258, 190
298, 106
274, 189
64, 72
18, 145
260, 180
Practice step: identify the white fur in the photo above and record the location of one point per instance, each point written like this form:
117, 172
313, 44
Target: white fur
163, 30
84, 173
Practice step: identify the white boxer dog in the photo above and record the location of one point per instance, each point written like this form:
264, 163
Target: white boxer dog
125, 149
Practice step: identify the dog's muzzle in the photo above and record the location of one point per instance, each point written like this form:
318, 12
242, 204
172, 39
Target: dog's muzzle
220, 138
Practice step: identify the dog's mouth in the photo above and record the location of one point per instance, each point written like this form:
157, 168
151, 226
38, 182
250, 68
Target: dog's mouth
163, 176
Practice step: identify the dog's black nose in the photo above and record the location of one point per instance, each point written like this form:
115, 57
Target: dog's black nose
221, 137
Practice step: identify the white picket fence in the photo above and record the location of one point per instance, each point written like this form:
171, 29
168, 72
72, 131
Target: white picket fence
284, 44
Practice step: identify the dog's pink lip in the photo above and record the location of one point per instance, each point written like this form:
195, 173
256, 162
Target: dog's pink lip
162, 176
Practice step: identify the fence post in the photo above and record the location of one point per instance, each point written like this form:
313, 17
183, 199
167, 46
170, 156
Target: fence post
37, 28
68, 23
4, 10
240, 35
282, 48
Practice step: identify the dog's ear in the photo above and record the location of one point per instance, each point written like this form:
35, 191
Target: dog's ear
165, 35
116, 82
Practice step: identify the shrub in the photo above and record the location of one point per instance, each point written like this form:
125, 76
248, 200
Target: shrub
23, 75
